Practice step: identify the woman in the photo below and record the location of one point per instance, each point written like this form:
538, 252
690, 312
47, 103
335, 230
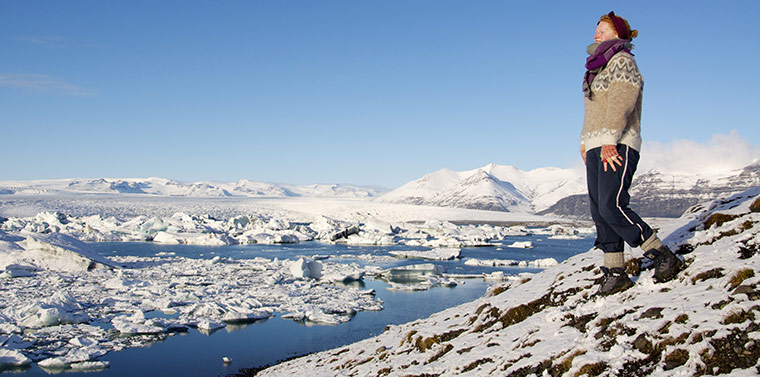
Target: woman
610, 143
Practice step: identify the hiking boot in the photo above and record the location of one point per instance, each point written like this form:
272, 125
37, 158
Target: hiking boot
613, 281
666, 264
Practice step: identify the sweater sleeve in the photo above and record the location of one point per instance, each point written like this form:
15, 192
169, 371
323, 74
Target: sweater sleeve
624, 90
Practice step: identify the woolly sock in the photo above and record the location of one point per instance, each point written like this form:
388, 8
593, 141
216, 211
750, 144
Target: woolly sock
614, 260
653, 243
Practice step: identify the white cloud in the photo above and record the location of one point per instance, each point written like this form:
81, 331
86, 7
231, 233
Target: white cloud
41, 84
723, 153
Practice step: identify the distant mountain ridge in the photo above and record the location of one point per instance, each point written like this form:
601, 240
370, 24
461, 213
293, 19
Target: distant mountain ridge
562, 192
167, 187
492, 187
542, 191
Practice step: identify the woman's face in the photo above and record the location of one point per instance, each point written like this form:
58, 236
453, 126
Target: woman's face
604, 32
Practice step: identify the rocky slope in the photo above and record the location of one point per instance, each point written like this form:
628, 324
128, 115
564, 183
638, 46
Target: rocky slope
704, 322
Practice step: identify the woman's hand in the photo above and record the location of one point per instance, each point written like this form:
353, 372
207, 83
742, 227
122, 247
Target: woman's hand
611, 156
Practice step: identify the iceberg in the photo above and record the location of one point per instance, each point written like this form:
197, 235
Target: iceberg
244, 316
209, 326
303, 269
76, 355
60, 252
137, 324
521, 245
434, 254
541, 263
353, 229
12, 359
414, 273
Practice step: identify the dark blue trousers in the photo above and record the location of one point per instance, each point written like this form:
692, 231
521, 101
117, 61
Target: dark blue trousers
609, 199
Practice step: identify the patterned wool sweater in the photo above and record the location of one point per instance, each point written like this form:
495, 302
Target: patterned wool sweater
613, 113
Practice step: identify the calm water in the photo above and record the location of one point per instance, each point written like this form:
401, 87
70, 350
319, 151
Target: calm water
266, 342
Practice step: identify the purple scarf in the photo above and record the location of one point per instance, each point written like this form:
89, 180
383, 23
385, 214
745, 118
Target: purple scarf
600, 55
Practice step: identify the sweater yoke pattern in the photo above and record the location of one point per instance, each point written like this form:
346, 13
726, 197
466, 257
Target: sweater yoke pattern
622, 68
613, 112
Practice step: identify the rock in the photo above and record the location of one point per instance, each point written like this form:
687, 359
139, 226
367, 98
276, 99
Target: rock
652, 313
642, 344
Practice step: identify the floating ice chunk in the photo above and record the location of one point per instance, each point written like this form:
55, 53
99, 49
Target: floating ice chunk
491, 262
59, 252
521, 245
319, 316
12, 358
412, 273
496, 275
421, 284
435, 254
210, 239
379, 226
208, 325
344, 233
83, 342
90, 366
76, 355
137, 324
166, 238
370, 238
306, 269
239, 316
16, 270
342, 273
564, 237
547, 262
276, 237
36, 316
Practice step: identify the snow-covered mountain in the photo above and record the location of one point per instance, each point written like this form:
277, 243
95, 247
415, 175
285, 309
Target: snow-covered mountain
656, 193
563, 191
492, 187
167, 187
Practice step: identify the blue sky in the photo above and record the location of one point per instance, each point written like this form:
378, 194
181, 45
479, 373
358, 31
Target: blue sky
362, 92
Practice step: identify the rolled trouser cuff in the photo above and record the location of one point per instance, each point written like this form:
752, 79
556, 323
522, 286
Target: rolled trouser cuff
614, 260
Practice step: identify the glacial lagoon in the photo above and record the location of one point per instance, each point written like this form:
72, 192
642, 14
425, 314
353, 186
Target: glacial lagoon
195, 353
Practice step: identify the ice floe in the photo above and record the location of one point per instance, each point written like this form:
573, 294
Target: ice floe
182, 228
545, 262
521, 245
82, 305
69, 295
434, 254
12, 358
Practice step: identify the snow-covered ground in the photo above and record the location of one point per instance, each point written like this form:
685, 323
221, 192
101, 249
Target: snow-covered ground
704, 322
